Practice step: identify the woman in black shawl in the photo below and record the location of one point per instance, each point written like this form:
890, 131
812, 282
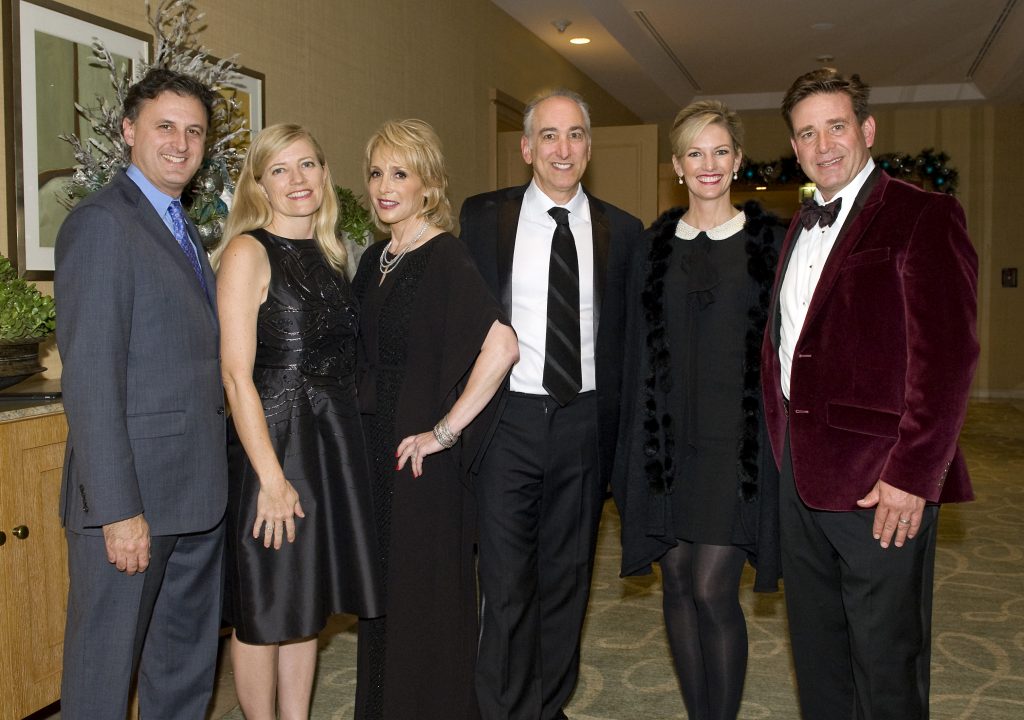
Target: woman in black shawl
435, 349
694, 478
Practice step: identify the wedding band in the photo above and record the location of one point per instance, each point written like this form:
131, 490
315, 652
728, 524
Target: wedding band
904, 522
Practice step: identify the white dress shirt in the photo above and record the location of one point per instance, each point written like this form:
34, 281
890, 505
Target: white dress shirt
804, 271
529, 286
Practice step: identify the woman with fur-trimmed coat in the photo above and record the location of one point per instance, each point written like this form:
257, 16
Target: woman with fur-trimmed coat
694, 480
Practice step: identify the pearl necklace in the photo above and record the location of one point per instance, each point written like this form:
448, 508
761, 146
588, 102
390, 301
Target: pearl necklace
386, 265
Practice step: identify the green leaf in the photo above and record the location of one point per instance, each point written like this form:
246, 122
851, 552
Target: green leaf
353, 217
24, 311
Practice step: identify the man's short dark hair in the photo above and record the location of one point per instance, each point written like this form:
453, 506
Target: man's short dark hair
826, 80
161, 80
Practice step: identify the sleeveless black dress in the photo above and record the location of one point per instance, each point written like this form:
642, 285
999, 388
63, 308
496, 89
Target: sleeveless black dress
305, 374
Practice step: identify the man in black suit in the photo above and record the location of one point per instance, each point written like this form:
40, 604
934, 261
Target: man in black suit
145, 474
556, 258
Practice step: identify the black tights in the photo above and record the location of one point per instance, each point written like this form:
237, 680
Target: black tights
706, 628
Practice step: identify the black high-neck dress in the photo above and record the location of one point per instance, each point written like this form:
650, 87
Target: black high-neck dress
305, 374
693, 461
421, 331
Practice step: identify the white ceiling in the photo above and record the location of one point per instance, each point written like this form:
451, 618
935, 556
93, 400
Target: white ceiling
656, 56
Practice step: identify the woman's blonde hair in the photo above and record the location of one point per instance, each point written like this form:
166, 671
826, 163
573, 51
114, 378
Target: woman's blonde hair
415, 144
250, 208
692, 119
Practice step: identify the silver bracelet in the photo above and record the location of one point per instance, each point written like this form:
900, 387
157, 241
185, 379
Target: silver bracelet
444, 435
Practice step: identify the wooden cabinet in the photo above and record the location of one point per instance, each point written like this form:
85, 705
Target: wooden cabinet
33, 562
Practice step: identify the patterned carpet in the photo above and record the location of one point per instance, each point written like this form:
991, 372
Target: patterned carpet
978, 656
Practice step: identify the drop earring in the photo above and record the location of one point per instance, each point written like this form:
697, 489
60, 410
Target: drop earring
680, 179
735, 175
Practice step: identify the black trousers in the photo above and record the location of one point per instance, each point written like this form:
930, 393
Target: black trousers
539, 500
859, 616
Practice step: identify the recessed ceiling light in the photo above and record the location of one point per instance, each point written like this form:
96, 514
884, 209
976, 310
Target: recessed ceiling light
579, 40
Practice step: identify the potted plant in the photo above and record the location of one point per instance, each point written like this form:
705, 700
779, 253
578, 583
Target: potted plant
355, 226
27, 317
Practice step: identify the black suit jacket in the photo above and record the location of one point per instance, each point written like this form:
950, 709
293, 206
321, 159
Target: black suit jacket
488, 225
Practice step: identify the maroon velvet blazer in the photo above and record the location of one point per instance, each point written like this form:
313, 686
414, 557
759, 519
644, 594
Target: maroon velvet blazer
884, 362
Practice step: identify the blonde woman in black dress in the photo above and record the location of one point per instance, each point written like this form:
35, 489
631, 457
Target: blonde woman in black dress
301, 541
694, 480
435, 349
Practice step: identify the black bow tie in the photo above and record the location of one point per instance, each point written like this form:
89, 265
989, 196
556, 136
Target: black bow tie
811, 213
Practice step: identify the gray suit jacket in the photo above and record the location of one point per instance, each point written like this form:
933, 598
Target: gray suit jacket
142, 388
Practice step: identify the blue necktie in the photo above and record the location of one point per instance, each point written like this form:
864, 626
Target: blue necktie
180, 231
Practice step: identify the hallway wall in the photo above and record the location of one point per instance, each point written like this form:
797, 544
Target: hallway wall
342, 68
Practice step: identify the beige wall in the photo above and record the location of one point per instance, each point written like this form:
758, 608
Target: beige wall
341, 68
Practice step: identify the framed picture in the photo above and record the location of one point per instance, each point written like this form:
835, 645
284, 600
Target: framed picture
247, 88
47, 63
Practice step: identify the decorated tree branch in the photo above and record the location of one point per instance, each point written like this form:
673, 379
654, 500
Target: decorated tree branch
176, 27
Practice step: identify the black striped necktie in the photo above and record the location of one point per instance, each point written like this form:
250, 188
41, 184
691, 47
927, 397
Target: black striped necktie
563, 374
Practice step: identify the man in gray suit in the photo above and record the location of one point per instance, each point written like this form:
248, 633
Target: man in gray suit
145, 474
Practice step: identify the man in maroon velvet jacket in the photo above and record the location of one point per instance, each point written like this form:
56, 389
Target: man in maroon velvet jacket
867, 360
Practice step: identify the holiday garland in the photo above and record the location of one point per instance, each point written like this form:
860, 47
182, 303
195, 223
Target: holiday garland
927, 169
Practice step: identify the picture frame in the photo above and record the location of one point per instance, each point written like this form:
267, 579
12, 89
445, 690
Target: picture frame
247, 88
48, 49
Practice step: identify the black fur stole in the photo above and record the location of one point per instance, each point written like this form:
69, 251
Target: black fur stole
659, 436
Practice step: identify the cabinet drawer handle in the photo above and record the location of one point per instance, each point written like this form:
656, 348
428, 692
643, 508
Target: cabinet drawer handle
3, 537
20, 532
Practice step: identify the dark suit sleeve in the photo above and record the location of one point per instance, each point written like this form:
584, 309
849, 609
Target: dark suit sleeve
468, 215
633, 355
94, 293
625, 236
939, 277
470, 223
478, 230
625, 233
